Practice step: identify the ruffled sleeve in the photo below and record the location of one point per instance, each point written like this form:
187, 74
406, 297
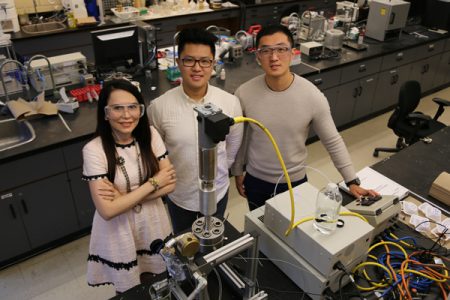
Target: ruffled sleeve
95, 165
158, 147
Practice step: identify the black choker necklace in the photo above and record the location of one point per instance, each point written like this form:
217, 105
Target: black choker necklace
292, 80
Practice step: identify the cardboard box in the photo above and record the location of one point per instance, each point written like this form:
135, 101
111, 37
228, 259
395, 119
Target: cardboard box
440, 189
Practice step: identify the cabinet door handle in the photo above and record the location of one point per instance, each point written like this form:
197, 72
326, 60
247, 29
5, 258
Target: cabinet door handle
24, 205
360, 91
399, 56
318, 81
355, 92
362, 68
431, 47
13, 212
424, 69
394, 79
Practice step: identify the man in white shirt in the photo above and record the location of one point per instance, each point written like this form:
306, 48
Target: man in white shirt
173, 115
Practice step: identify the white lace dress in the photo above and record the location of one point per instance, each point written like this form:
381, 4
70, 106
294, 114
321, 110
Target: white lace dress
119, 249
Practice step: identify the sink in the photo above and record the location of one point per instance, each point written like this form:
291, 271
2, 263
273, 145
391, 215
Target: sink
43, 27
15, 133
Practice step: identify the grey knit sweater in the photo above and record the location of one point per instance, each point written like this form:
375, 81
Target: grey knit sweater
288, 115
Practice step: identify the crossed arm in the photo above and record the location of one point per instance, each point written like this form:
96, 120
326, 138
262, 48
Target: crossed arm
109, 202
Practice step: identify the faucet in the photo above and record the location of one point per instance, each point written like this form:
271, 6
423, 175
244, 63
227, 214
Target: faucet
175, 37
56, 94
36, 12
24, 76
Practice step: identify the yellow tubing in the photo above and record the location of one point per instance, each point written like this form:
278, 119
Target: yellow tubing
292, 225
388, 243
283, 166
371, 263
401, 242
344, 213
425, 275
350, 213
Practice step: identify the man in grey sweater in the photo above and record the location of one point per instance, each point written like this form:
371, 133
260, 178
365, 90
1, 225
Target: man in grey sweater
288, 105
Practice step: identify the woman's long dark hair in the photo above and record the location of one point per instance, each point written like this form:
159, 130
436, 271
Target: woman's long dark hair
141, 133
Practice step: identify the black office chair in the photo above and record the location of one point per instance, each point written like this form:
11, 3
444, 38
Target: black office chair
411, 126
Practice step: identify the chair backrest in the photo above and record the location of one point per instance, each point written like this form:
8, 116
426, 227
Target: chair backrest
408, 100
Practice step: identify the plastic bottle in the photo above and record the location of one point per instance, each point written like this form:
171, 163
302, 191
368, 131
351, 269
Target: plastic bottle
330, 24
222, 74
328, 206
201, 4
362, 33
219, 67
71, 21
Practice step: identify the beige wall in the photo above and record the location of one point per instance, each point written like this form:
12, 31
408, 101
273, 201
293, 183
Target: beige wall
26, 6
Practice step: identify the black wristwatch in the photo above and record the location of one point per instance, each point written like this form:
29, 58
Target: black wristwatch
354, 181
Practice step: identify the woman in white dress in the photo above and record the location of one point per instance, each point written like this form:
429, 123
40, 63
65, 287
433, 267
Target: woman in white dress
127, 168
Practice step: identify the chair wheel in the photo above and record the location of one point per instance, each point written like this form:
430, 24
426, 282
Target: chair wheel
375, 153
426, 140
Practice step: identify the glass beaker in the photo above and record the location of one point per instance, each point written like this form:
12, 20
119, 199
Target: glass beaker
328, 206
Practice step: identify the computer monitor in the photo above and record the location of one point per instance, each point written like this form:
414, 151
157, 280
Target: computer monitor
438, 14
116, 49
416, 12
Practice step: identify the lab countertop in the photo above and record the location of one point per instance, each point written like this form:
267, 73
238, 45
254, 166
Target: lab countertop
50, 132
113, 21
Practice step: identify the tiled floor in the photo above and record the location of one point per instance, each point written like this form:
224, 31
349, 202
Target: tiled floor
60, 273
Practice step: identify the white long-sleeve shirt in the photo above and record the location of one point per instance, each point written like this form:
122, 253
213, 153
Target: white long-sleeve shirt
173, 115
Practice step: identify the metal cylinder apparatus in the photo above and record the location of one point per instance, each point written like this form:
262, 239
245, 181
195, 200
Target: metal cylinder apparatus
207, 171
207, 174
209, 231
334, 39
213, 126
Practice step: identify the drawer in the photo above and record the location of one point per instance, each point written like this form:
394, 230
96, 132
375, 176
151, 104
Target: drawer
31, 168
307, 5
398, 58
165, 38
165, 25
447, 45
51, 43
278, 8
260, 11
430, 49
73, 155
223, 15
263, 21
361, 69
326, 80
326, 4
